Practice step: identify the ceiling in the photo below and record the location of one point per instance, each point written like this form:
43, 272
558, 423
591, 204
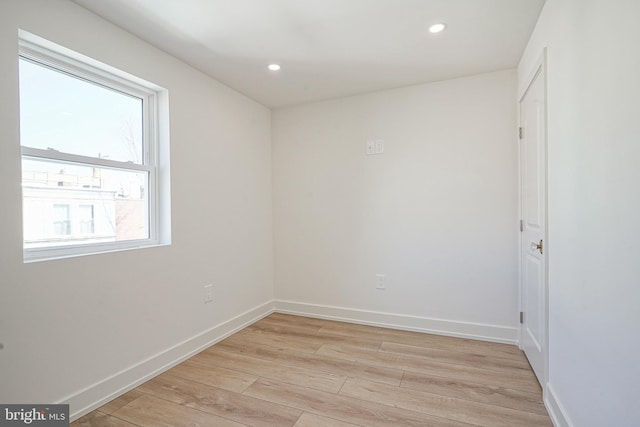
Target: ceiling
329, 48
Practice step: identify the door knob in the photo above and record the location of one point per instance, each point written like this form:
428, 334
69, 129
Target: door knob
537, 246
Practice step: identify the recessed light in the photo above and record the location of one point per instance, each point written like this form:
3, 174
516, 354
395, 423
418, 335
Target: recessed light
273, 67
436, 28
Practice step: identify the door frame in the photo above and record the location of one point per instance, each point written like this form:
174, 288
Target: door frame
540, 65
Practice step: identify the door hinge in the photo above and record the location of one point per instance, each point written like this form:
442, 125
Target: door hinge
520, 132
521, 225
521, 317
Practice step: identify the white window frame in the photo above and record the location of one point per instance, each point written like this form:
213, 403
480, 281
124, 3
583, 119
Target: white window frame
40, 51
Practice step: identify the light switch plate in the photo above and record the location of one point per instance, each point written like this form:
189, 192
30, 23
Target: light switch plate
379, 146
371, 146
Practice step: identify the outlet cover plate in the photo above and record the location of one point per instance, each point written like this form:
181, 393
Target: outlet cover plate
208, 293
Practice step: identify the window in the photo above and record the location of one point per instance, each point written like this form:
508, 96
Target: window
86, 219
90, 155
61, 222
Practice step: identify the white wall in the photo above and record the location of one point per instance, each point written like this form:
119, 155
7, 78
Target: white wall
79, 329
594, 207
436, 213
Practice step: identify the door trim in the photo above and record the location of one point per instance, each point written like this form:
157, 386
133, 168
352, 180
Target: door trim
539, 66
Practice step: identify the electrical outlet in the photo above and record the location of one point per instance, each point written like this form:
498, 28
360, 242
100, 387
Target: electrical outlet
380, 282
208, 293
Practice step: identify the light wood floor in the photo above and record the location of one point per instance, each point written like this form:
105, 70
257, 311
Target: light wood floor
295, 371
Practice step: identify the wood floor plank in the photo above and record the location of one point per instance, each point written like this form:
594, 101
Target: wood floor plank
442, 406
525, 381
274, 340
314, 336
482, 393
343, 408
100, 419
318, 362
213, 375
312, 420
223, 403
297, 321
498, 364
425, 340
119, 402
264, 368
149, 411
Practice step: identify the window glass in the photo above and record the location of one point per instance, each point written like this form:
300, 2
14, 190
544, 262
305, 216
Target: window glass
102, 204
72, 115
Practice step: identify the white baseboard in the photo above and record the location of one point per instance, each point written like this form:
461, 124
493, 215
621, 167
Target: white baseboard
556, 411
453, 328
96, 395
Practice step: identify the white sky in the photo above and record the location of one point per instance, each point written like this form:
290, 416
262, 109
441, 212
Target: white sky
74, 116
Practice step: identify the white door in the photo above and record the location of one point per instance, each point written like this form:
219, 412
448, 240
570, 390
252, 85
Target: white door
533, 197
